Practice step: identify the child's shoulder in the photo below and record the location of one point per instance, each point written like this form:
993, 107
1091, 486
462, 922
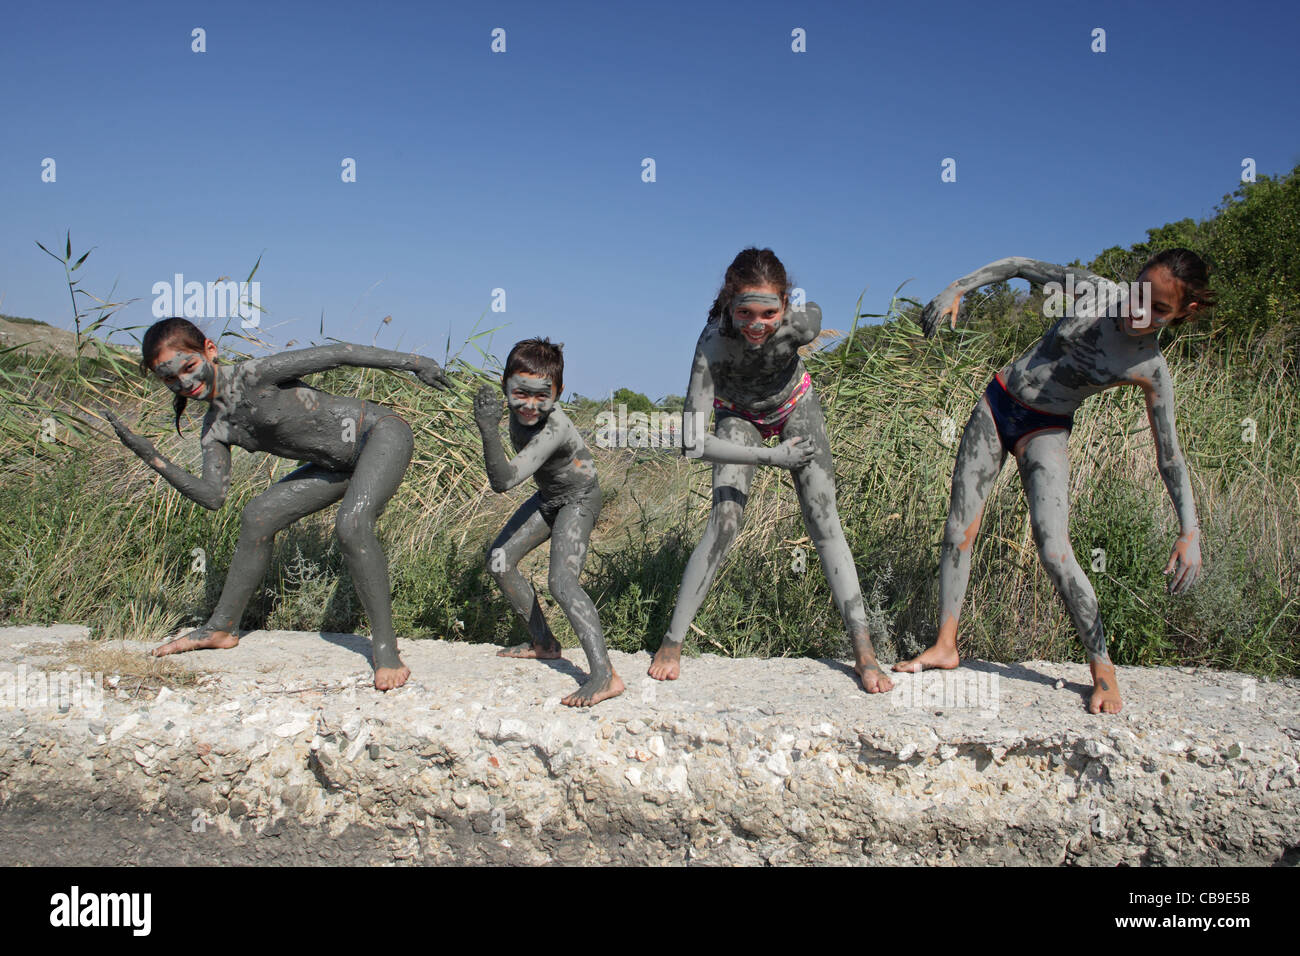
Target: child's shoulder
559, 419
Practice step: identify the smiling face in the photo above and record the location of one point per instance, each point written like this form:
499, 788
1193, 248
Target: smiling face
1166, 303
756, 312
531, 397
188, 373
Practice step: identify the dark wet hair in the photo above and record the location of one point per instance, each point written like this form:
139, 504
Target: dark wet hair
172, 332
753, 266
537, 357
1189, 269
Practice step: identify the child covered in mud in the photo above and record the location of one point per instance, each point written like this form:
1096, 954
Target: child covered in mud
748, 372
1107, 340
356, 453
564, 508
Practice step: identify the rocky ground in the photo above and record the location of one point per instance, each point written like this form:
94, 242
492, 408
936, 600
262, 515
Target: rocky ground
280, 751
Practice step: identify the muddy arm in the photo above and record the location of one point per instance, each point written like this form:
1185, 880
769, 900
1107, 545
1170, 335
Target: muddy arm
505, 473
697, 442
948, 302
210, 491
298, 362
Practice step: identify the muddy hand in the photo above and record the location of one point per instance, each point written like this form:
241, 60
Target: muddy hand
487, 406
792, 454
947, 302
432, 375
129, 438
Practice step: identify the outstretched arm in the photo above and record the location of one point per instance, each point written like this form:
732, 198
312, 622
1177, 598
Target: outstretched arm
1185, 561
697, 442
287, 365
504, 473
948, 302
209, 491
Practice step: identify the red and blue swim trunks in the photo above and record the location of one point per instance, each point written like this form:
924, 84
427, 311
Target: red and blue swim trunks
769, 424
1015, 419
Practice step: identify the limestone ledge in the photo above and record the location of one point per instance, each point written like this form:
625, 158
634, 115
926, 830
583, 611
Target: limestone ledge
739, 761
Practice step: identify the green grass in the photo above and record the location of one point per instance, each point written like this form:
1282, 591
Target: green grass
91, 536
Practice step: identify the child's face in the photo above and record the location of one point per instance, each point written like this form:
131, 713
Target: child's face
1166, 303
757, 312
188, 373
531, 397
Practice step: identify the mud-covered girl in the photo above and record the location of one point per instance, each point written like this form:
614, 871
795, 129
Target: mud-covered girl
747, 372
356, 452
1108, 339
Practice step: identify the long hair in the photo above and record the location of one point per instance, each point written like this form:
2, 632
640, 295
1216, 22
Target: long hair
1189, 269
174, 332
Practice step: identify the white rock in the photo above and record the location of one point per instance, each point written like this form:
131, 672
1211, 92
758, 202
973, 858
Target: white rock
675, 779
355, 749
293, 728
633, 775
124, 728
511, 729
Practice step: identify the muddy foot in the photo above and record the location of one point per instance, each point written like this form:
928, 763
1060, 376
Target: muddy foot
197, 640
1105, 689
596, 689
388, 678
547, 650
667, 664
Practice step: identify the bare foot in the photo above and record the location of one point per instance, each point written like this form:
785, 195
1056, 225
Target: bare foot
196, 640
546, 650
667, 664
596, 689
937, 657
1105, 689
388, 678
874, 680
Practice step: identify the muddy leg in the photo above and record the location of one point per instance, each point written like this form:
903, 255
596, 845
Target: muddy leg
1045, 472
570, 538
730, 492
380, 467
525, 530
300, 493
815, 484
979, 460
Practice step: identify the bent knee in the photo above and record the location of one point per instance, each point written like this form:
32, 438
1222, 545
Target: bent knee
563, 585
496, 561
259, 522
354, 526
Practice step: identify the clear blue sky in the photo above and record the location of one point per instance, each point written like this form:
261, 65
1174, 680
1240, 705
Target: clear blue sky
522, 170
